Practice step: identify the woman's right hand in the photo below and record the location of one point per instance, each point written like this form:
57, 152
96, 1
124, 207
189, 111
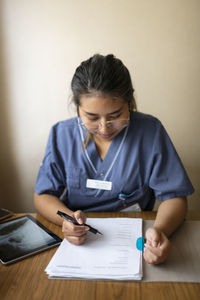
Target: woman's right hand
75, 234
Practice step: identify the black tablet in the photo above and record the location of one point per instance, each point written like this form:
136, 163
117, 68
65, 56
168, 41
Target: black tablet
5, 213
24, 236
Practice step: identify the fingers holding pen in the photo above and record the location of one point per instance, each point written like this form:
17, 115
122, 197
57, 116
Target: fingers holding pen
70, 228
75, 234
79, 216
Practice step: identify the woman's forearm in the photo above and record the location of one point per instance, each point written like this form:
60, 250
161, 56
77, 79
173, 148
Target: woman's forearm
48, 205
170, 215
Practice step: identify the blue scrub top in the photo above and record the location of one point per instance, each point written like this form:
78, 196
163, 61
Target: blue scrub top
141, 163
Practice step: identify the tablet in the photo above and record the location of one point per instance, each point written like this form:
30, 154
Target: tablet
5, 213
23, 237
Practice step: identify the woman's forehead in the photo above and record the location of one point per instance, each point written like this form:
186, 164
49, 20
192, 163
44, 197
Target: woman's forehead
97, 104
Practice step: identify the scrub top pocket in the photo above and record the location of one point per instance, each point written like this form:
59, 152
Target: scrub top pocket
74, 175
137, 196
76, 184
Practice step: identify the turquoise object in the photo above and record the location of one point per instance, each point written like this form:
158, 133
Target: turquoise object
140, 244
122, 197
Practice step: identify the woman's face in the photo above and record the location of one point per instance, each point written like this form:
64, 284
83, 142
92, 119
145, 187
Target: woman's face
104, 117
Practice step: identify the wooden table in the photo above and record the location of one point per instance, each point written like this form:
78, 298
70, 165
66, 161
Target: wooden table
27, 280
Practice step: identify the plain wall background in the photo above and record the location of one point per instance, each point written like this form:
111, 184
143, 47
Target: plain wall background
43, 41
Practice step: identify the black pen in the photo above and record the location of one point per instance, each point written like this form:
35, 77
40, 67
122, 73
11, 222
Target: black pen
69, 218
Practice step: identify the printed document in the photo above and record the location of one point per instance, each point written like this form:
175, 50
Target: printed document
111, 256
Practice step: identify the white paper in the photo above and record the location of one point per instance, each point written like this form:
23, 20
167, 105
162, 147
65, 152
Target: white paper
112, 255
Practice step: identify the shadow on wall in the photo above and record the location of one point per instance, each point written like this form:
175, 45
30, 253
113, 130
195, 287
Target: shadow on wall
10, 191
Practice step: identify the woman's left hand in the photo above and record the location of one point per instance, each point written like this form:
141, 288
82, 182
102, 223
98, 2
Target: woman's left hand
157, 246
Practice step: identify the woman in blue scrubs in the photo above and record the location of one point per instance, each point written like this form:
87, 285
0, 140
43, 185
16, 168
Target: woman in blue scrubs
111, 158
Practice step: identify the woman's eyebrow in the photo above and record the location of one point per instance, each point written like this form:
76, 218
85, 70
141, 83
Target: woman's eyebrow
112, 113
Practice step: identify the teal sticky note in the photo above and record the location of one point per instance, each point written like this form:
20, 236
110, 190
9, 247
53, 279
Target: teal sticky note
140, 244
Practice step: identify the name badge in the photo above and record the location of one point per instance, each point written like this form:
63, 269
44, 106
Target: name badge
99, 184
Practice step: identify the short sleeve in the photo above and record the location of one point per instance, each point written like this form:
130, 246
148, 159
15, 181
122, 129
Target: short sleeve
168, 177
51, 176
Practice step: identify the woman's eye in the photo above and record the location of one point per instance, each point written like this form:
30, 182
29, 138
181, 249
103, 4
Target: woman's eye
93, 119
115, 117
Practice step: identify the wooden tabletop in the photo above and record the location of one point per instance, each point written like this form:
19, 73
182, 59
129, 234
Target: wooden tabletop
27, 280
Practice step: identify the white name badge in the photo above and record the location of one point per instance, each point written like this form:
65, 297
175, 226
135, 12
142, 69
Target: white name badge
99, 184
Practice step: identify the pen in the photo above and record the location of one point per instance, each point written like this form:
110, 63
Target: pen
69, 218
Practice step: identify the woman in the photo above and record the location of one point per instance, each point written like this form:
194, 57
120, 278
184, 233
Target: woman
111, 157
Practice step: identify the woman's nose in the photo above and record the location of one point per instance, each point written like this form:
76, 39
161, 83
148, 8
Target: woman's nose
103, 127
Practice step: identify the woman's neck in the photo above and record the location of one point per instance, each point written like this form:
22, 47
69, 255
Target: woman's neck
102, 147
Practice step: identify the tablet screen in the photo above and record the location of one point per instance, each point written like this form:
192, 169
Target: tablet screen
23, 237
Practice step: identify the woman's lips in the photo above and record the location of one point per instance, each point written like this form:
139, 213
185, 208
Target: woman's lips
106, 136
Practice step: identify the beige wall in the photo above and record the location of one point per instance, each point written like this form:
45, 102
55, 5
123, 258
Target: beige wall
43, 41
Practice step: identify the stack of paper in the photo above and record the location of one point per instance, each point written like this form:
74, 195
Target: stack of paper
112, 256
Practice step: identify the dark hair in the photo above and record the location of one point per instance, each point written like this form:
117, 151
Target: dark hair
103, 75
